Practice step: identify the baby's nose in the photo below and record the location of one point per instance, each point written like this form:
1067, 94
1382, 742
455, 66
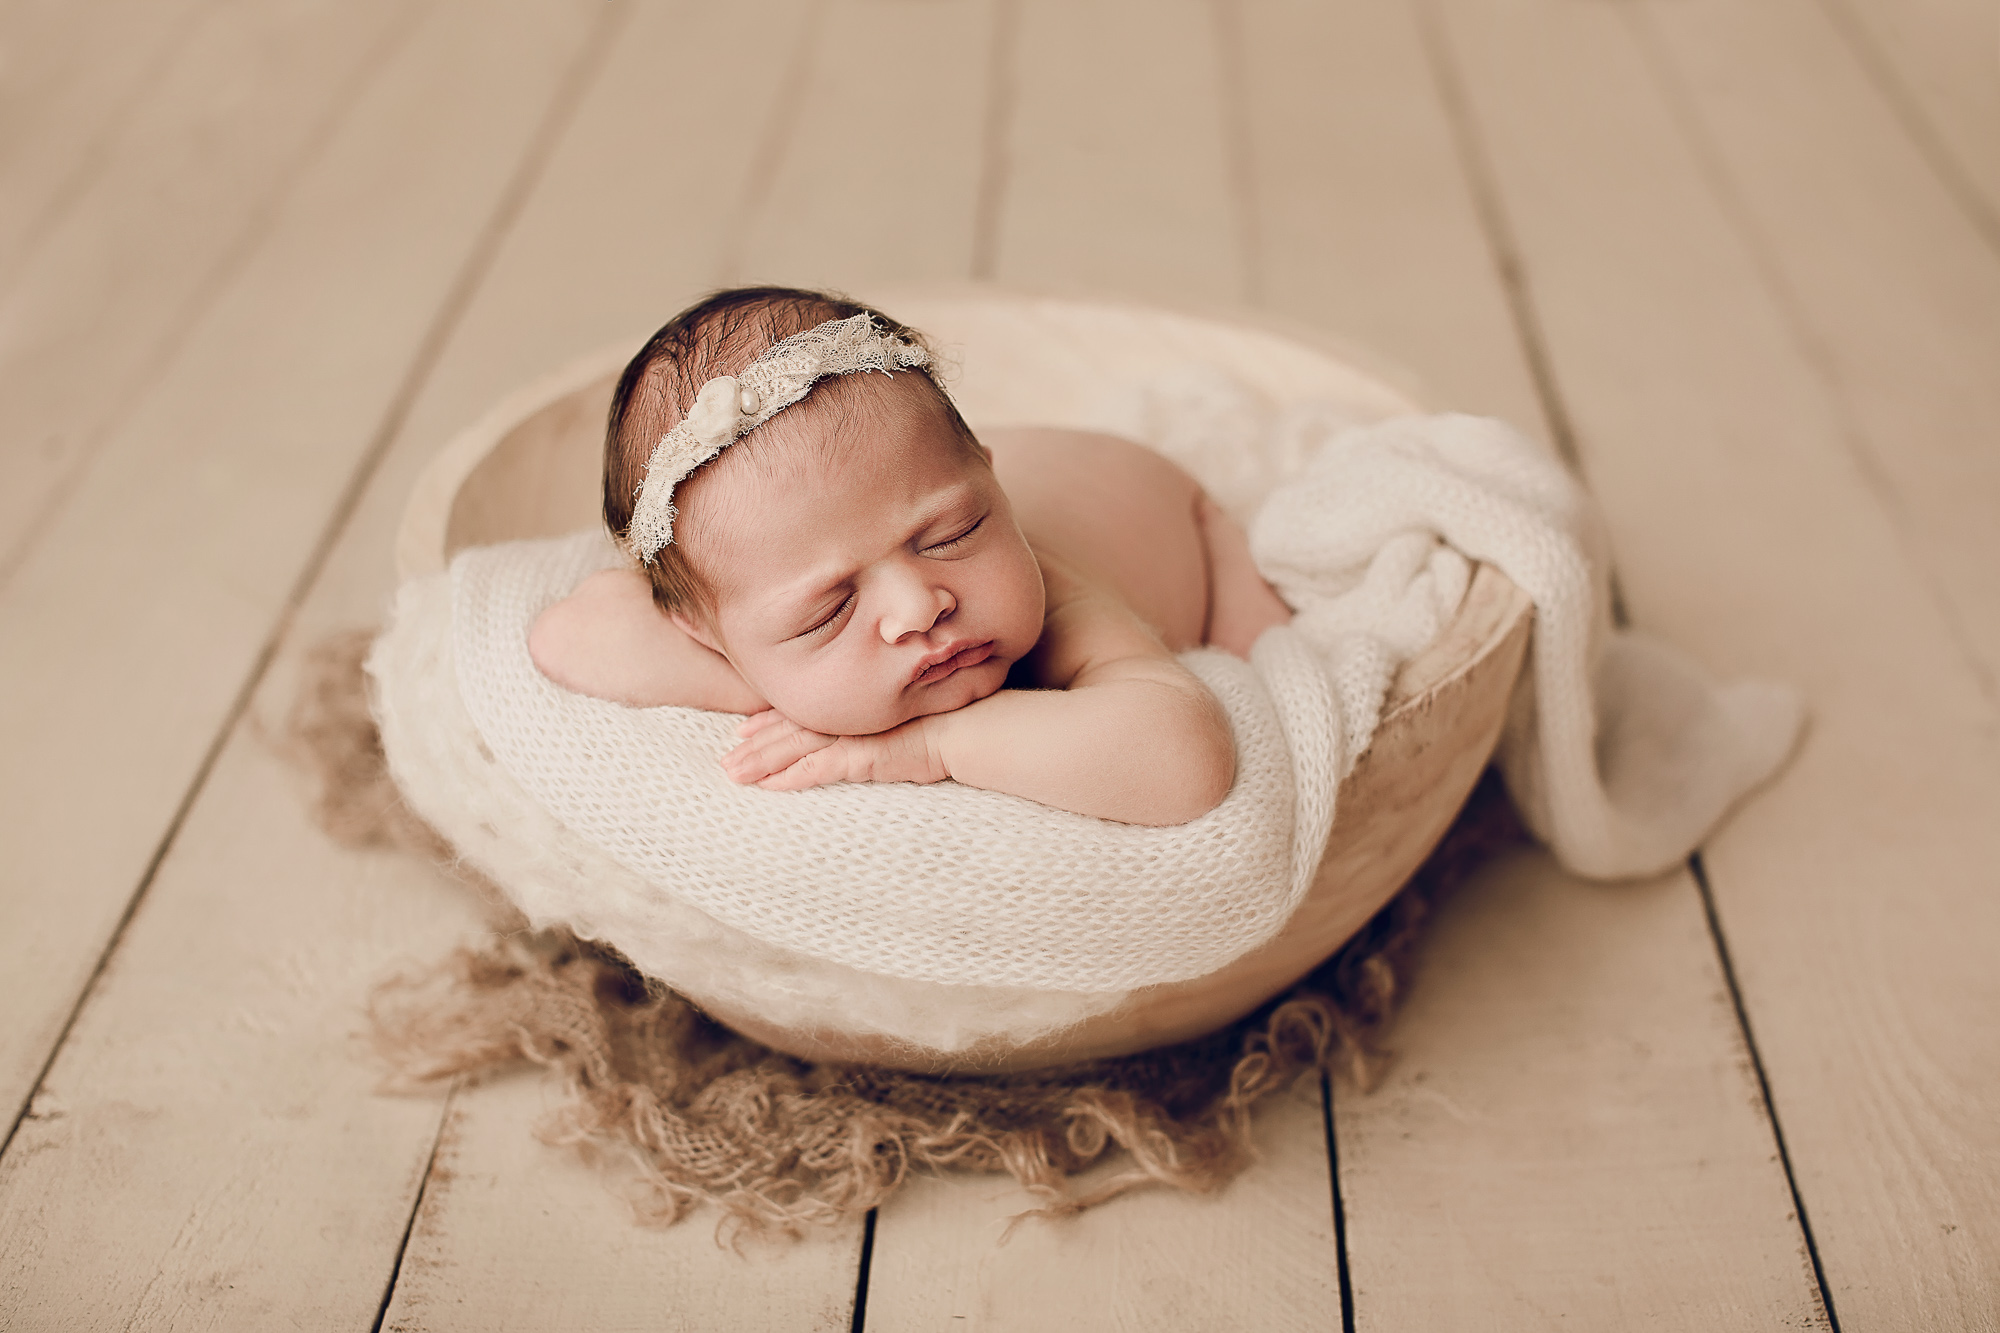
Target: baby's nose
917, 607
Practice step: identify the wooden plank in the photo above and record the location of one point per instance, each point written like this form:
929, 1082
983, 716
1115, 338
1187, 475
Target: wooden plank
125, 638
124, 263
1115, 172
515, 1235
610, 246
841, 206
1570, 1131
1894, 293
74, 77
209, 1148
1257, 1256
1364, 219
1940, 59
1857, 893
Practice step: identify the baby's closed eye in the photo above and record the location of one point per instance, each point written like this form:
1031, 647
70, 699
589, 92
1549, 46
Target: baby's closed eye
829, 620
963, 536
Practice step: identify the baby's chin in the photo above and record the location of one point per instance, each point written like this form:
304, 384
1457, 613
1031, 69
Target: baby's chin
946, 696
960, 688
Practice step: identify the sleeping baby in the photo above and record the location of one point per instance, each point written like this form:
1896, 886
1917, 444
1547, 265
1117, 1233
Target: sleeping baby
822, 544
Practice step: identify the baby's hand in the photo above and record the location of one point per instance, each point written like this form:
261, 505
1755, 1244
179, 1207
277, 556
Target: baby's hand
780, 755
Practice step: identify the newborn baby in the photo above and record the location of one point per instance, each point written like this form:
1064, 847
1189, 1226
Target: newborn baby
889, 598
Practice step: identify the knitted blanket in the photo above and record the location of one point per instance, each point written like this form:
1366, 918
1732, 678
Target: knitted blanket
863, 900
1620, 752
945, 884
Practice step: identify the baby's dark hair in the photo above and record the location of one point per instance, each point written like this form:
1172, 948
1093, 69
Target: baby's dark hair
721, 334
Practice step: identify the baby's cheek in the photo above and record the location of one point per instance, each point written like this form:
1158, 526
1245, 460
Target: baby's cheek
837, 703
1026, 604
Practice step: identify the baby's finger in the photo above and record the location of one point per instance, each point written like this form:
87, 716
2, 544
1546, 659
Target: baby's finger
812, 770
754, 760
757, 722
772, 751
746, 763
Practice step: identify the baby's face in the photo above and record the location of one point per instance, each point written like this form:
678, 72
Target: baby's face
872, 582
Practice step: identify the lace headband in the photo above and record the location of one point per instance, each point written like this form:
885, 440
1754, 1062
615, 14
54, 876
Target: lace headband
731, 406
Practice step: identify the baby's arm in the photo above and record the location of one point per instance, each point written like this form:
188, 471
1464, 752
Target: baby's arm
1127, 734
610, 641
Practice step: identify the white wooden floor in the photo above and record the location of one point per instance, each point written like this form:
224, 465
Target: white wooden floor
1741, 261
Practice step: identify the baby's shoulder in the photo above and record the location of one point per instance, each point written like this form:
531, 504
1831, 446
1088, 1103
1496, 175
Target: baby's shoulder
581, 641
1089, 628
609, 640
1117, 509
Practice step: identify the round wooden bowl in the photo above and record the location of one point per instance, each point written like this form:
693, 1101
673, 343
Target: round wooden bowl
531, 468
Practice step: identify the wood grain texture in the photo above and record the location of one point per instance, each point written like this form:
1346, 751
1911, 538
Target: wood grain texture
1441, 1231
1942, 59
1857, 893
1259, 1255
841, 205
609, 247
72, 81
210, 1149
129, 254
475, 1254
127, 635
1117, 174
1893, 295
515, 1235
1566, 1063
1363, 217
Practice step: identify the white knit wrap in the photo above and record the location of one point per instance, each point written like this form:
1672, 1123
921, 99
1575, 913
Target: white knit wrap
731, 406
945, 915
942, 884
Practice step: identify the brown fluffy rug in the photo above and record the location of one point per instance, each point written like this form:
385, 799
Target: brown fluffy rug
700, 1114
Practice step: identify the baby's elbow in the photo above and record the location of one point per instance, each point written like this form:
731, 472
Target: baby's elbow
1198, 770
1213, 770
553, 645
1205, 789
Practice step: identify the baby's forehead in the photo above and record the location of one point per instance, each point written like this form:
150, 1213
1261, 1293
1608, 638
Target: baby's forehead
809, 481
845, 424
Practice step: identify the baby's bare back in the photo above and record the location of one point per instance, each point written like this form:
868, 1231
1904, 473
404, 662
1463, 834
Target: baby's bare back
1117, 510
